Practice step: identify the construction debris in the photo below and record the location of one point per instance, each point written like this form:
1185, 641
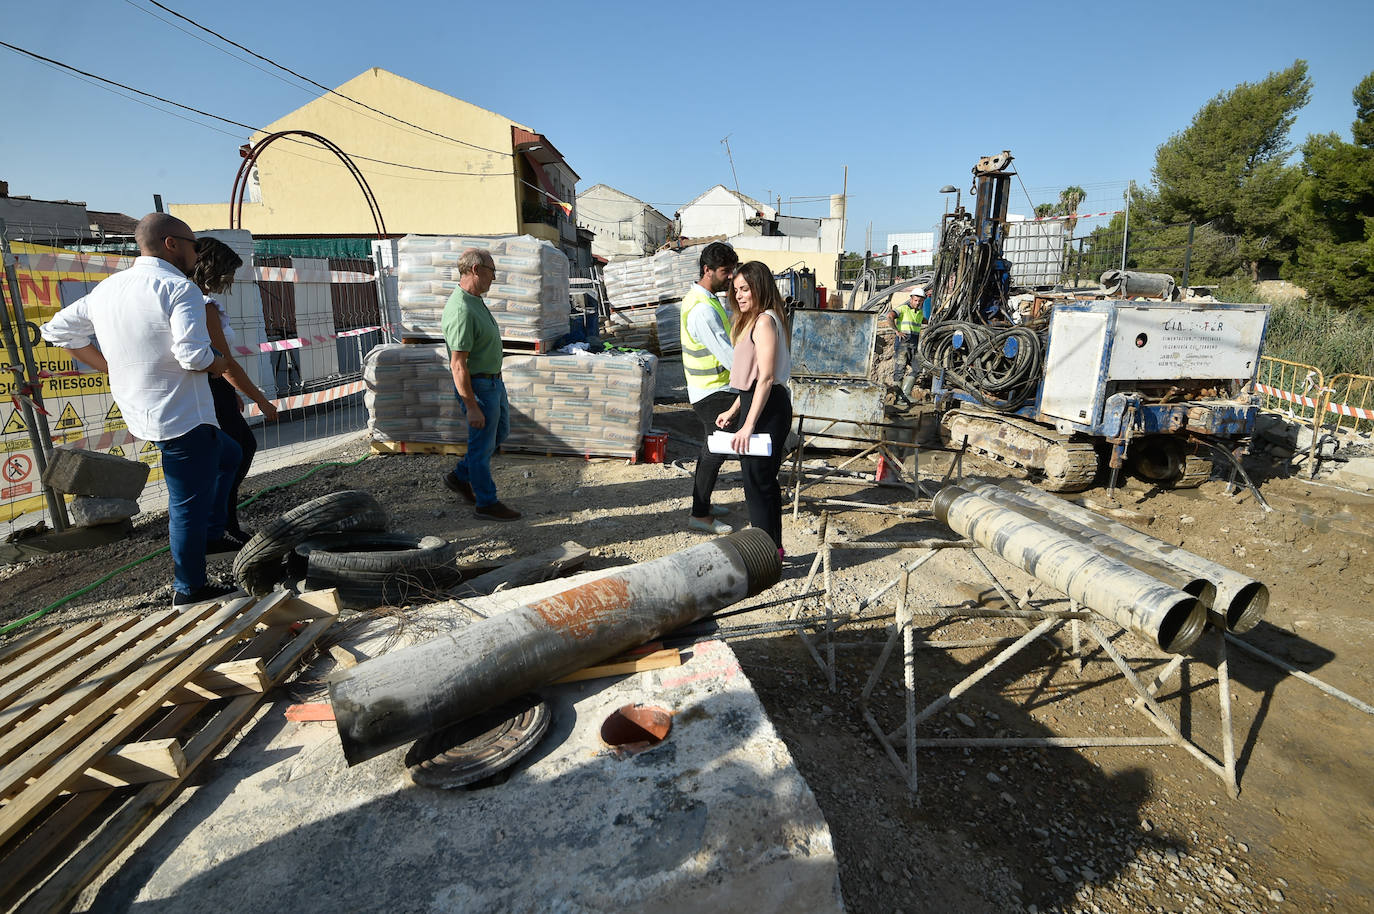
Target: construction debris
75, 471
401, 696
103, 722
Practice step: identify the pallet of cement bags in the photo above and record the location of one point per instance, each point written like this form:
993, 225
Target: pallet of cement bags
528, 297
592, 404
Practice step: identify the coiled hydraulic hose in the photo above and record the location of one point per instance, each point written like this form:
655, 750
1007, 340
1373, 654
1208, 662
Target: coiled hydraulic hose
998, 367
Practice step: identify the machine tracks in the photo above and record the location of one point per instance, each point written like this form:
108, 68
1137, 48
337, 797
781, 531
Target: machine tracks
1067, 463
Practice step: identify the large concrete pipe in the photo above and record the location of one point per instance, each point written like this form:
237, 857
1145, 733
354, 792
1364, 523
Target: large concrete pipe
1240, 601
398, 697
1198, 586
1158, 612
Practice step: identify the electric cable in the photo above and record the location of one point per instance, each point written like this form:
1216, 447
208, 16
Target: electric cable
167, 101
19, 623
323, 87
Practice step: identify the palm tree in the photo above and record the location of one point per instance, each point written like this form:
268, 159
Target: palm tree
1069, 198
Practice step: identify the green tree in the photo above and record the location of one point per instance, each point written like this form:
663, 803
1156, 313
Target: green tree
1333, 212
1069, 198
1228, 167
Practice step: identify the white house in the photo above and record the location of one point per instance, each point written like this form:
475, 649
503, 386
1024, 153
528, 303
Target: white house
625, 226
721, 211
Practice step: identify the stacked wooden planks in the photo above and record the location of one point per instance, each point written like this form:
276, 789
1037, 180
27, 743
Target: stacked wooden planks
102, 721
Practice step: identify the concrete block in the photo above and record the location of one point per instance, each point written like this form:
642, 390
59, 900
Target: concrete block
1356, 473
94, 510
79, 472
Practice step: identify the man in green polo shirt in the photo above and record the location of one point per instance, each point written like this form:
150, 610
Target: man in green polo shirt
474, 345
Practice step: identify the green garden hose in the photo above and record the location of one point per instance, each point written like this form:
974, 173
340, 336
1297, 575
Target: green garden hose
38, 614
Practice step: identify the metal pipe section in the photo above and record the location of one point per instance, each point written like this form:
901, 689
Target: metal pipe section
398, 697
1130, 284
1158, 612
1240, 600
1198, 586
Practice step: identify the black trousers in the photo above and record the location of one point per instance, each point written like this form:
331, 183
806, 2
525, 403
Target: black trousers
232, 423
708, 464
762, 491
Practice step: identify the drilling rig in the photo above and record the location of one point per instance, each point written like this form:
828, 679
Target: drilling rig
1081, 382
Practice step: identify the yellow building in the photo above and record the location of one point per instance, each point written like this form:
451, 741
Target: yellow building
453, 168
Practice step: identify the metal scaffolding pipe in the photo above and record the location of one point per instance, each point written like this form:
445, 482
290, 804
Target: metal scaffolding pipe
1240, 600
1156, 611
398, 697
1197, 585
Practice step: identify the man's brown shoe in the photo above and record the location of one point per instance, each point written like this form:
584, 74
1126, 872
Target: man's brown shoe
495, 511
454, 484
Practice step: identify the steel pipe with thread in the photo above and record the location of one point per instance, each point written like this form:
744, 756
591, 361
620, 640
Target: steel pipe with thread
1158, 612
1197, 585
398, 697
1240, 600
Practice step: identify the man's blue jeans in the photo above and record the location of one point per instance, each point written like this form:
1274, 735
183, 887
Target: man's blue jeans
475, 466
199, 468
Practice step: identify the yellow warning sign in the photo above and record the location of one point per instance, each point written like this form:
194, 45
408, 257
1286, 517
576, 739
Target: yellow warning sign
117, 450
14, 425
114, 419
148, 448
69, 418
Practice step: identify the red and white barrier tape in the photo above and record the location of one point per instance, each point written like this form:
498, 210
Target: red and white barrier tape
1299, 399
1074, 216
301, 341
1354, 412
298, 275
314, 398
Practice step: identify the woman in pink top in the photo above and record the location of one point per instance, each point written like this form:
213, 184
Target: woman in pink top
761, 368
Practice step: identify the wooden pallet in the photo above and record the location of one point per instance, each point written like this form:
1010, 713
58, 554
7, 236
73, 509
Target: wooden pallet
102, 722
458, 450
418, 447
544, 451
541, 347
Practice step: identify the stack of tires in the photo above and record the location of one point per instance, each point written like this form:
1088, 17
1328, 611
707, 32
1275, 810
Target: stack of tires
340, 540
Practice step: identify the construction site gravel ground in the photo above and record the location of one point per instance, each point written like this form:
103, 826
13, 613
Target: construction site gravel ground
1097, 830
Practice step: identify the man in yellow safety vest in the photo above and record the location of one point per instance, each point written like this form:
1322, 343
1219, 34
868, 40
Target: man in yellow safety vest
706, 358
906, 319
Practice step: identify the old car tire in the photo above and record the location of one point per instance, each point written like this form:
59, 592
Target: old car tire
259, 565
387, 569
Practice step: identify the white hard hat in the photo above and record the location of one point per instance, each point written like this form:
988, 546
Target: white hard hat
919, 291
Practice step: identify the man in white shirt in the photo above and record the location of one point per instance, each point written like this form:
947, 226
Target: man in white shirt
148, 323
706, 358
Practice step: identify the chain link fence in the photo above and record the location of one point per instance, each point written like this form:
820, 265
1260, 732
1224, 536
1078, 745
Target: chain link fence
302, 327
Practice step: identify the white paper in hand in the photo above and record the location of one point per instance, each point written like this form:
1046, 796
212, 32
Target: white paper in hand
759, 445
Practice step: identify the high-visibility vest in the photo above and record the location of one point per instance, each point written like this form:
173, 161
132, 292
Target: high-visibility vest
909, 319
702, 369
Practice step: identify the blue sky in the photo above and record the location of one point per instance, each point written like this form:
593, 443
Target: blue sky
639, 96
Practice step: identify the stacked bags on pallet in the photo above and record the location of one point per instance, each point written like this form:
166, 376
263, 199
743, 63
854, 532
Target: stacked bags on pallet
410, 394
666, 276
662, 279
571, 403
674, 271
630, 283
528, 298
580, 402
